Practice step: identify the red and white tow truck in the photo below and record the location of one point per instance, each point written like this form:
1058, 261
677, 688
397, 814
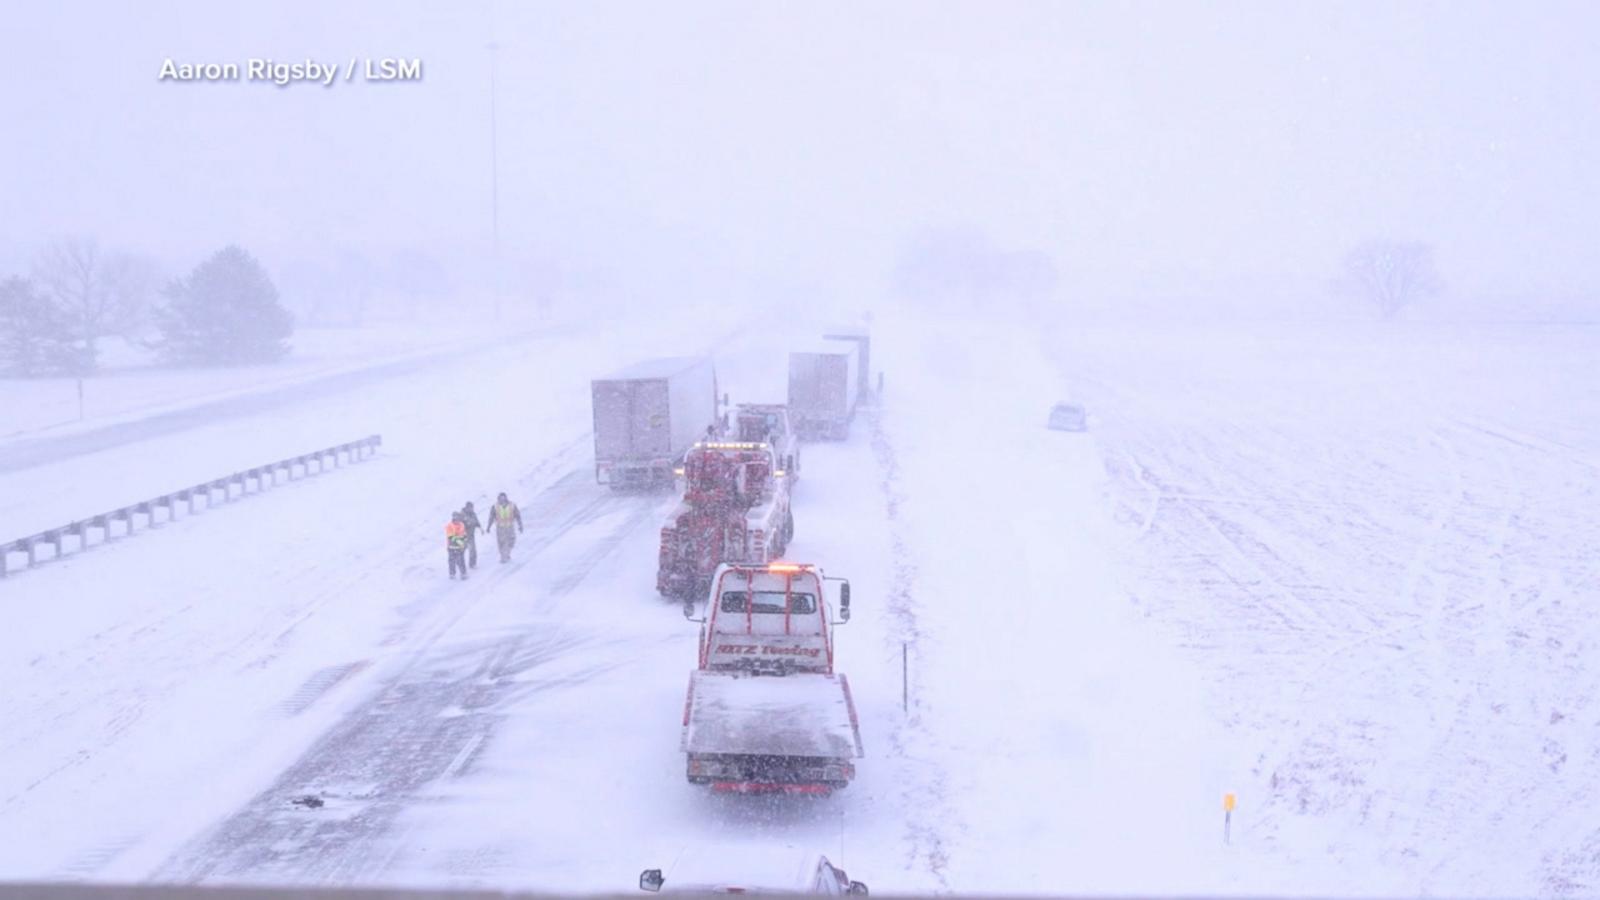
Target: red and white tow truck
766, 713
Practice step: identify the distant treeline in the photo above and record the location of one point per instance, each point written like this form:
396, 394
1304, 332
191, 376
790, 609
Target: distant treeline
226, 312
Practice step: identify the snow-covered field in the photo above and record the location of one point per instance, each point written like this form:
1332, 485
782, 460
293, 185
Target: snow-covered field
1343, 574
1377, 545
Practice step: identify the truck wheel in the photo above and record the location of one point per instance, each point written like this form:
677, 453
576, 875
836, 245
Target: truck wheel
788, 527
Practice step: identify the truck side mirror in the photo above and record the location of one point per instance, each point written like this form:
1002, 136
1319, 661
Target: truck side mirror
857, 887
788, 463
688, 610
651, 880
844, 602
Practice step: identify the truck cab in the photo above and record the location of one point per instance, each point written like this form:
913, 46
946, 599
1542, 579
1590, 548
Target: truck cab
769, 423
771, 619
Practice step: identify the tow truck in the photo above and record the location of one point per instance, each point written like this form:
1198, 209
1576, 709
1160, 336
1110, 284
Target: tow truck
770, 423
735, 509
765, 712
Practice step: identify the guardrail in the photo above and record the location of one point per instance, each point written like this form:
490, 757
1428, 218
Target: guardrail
352, 452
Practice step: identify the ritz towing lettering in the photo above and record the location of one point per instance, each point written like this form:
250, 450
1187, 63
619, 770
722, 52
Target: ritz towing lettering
763, 650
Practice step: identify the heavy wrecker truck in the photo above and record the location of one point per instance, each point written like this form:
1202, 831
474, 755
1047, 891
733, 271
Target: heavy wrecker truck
766, 713
735, 509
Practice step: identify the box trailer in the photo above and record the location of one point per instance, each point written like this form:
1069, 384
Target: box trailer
648, 415
863, 341
823, 388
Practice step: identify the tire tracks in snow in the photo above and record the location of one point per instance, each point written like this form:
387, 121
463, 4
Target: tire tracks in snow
435, 712
307, 592
928, 798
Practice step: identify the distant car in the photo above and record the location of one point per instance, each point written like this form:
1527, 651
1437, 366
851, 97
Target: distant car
1068, 417
751, 869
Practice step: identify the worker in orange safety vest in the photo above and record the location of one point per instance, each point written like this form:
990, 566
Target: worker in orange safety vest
455, 542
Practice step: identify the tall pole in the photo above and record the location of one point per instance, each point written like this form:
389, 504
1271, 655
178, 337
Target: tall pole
494, 174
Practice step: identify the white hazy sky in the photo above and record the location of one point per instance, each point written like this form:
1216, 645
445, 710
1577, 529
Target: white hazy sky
1145, 146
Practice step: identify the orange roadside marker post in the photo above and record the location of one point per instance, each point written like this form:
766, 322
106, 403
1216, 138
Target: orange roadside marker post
1227, 818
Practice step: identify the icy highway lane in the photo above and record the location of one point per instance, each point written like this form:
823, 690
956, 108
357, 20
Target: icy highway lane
525, 627
1366, 617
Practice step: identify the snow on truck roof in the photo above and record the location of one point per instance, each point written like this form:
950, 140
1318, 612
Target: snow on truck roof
754, 867
824, 346
657, 368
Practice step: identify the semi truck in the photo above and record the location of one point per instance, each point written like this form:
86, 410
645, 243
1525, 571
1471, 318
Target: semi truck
823, 389
648, 415
766, 712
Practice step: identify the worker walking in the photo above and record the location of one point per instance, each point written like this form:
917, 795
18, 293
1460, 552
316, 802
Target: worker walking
502, 517
455, 543
469, 518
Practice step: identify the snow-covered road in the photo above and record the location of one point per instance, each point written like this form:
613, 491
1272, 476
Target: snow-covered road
1358, 600
146, 676
53, 445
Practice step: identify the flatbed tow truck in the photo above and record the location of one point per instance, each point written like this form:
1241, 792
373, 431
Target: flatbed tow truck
765, 712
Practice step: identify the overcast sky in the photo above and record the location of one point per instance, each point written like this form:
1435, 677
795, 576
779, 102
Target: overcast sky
1145, 147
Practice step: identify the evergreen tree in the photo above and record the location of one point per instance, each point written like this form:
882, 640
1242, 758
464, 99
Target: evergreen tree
226, 312
35, 336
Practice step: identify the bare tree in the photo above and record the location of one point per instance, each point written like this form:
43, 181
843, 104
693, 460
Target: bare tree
133, 283
99, 293
1390, 274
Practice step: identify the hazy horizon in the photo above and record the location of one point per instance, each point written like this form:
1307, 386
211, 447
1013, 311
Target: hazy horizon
1223, 155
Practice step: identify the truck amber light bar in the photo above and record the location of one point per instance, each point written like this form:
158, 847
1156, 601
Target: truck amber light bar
784, 567
732, 445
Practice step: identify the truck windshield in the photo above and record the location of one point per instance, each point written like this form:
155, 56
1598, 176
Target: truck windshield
769, 602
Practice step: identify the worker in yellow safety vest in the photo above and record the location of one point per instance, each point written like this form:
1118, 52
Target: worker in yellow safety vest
502, 516
455, 544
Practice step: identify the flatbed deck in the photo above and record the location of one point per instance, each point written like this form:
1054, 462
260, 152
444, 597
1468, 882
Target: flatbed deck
803, 714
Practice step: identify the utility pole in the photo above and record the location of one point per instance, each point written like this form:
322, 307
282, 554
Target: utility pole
494, 175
